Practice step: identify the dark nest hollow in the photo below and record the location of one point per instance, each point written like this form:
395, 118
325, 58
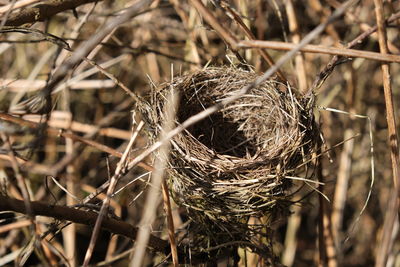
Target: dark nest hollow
239, 162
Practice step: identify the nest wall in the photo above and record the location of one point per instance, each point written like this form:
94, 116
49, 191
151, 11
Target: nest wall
240, 161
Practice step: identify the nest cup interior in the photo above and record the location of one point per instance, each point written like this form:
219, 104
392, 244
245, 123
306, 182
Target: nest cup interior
219, 133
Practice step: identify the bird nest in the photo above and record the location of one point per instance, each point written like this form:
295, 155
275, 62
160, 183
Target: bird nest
240, 161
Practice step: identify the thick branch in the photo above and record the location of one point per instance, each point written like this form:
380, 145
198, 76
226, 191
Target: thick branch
89, 218
44, 11
81, 217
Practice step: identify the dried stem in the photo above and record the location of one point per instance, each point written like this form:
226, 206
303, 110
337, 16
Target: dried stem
21, 181
81, 217
119, 172
44, 11
341, 187
296, 37
69, 235
327, 251
390, 218
320, 49
152, 198
84, 49
336, 60
170, 223
59, 132
210, 18
226, 35
261, 79
232, 13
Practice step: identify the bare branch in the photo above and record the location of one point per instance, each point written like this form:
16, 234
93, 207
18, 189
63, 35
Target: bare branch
79, 216
44, 11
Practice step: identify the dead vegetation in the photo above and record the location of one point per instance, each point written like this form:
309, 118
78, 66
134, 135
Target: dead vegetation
253, 159
237, 162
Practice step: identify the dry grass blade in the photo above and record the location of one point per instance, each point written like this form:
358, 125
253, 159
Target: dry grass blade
152, 198
259, 80
214, 23
23, 124
170, 222
34, 85
84, 49
119, 172
16, 225
234, 163
12, 5
295, 31
321, 49
243, 151
390, 218
232, 13
21, 180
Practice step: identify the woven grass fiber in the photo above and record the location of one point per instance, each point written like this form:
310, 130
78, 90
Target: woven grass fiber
240, 161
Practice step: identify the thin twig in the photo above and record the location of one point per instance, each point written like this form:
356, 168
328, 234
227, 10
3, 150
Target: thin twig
152, 198
58, 120
61, 164
327, 252
69, 235
170, 223
84, 49
390, 116
385, 245
89, 218
300, 66
60, 133
21, 181
321, 49
15, 86
227, 36
232, 13
221, 30
119, 172
365, 26
210, 110
15, 225
336, 60
390, 218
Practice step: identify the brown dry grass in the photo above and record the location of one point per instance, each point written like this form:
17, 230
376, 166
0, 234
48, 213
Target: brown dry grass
240, 161
169, 39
